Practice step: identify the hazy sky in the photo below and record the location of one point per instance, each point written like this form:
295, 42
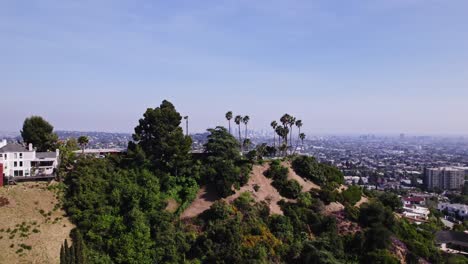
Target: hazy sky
364, 66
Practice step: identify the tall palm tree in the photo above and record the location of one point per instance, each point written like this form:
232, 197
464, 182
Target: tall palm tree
291, 123
83, 141
247, 143
229, 117
238, 119
279, 132
285, 120
186, 125
299, 125
274, 124
302, 136
246, 120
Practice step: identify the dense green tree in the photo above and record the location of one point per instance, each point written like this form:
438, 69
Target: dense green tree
319, 173
221, 144
391, 200
162, 139
352, 195
223, 166
375, 213
40, 133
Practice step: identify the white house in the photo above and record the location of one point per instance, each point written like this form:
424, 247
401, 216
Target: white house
454, 209
416, 213
19, 161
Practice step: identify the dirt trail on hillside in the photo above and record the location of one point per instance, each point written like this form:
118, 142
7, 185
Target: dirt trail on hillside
30, 204
207, 196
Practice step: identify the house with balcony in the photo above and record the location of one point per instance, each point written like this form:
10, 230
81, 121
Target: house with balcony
20, 162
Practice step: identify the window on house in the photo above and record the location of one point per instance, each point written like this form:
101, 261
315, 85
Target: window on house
21, 155
18, 173
15, 155
15, 164
21, 164
5, 156
1, 155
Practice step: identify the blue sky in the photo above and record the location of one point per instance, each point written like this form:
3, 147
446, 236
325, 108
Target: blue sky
367, 66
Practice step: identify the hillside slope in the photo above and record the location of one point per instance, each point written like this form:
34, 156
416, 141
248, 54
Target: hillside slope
266, 192
32, 226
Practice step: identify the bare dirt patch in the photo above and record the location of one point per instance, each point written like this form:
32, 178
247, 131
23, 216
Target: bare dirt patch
172, 205
206, 196
266, 191
363, 200
333, 208
32, 225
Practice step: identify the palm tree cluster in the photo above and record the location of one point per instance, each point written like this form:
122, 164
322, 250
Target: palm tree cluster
285, 128
239, 120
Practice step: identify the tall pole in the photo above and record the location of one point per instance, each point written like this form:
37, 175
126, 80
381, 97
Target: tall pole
186, 125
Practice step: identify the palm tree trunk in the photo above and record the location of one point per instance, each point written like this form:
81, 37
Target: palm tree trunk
290, 136
245, 131
274, 140
240, 138
186, 127
297, 141
229, 126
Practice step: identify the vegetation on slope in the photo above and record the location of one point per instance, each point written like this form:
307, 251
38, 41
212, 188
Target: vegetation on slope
118, 205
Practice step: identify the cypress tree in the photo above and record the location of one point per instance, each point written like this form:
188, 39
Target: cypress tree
72, 254
62, 255
78, 246
67, 252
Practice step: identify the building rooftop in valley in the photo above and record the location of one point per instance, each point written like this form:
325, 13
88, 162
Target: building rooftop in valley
456, 238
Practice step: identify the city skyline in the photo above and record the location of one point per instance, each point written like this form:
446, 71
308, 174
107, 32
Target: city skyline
380, 67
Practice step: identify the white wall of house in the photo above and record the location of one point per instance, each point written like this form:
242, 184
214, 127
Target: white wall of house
17, 163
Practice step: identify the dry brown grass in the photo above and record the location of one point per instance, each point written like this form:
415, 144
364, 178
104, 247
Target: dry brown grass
30, 205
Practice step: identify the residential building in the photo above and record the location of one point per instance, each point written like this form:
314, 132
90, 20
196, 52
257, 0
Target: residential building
413, 200
19, 161
444, 178
416, 213
460, 210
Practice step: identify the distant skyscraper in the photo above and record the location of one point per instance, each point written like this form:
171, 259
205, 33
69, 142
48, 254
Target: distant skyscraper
444, 178
402, 136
